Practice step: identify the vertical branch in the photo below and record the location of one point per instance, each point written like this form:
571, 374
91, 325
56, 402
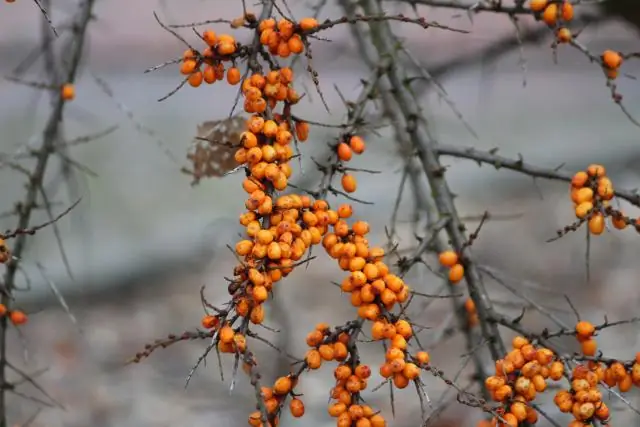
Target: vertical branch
47, 148
416, 128
395, 116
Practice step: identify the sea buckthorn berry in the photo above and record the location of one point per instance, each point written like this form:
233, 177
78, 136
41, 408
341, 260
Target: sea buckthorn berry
448, 258
589, 347
564, 35
226, 334
360, 228
307, 24
550, 14
209, 74
302, 130
518, 342
233, 76
566, 11
584, 194
595, 170
209, 321
538, 5
296, 407
210, 37
583, 209
596, 224
456, 273
18, 317
295, 44
195, 79
378, 421
3, 310
579, 179
68, 92
344, 152
357, 144
188, 66
619, 222
611, 60
282, 385
313, 359
585, 329
349, 183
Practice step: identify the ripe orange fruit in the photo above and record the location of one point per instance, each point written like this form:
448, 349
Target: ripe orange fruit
68, 92
17, 317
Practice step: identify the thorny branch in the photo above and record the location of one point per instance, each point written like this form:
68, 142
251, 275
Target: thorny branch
50, 137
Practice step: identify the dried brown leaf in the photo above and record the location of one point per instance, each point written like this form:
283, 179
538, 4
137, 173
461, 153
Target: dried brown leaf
212, 154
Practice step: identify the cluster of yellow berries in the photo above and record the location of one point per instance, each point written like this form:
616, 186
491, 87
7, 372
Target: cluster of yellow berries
519, 377
591, 193
261, 91
524, 372
220, 49
555, 14
281, 228
558, 14
283, 37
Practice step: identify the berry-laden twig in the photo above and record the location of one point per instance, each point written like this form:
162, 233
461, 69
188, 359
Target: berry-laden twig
281, 229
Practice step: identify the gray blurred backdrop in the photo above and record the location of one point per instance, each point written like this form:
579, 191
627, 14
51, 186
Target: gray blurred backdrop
142, 241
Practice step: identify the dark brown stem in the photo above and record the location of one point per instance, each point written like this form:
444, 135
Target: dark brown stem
47, 148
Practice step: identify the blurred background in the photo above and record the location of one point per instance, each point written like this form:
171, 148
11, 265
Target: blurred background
142, 241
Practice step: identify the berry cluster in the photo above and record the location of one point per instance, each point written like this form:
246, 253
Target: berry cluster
591, 193
283, 37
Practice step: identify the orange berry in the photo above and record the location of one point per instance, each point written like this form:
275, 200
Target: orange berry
17, 317
209, 37
296, 407
295, 44
344, 152
611, 59
585, 329
579, 179
423, 357
188, 66
456, 273
282, 385
583, 209
307, 24
3, 310
209, 74
349, 183
596, 224
448, 258
302, 129
313, 359
619, 222
550, 14
567, 11
209, 321
589, 347
68, 92
377, 421
226, 334
596, 170
195, 79
233, 76
336, 409
360, 228
538, 5
357, 144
